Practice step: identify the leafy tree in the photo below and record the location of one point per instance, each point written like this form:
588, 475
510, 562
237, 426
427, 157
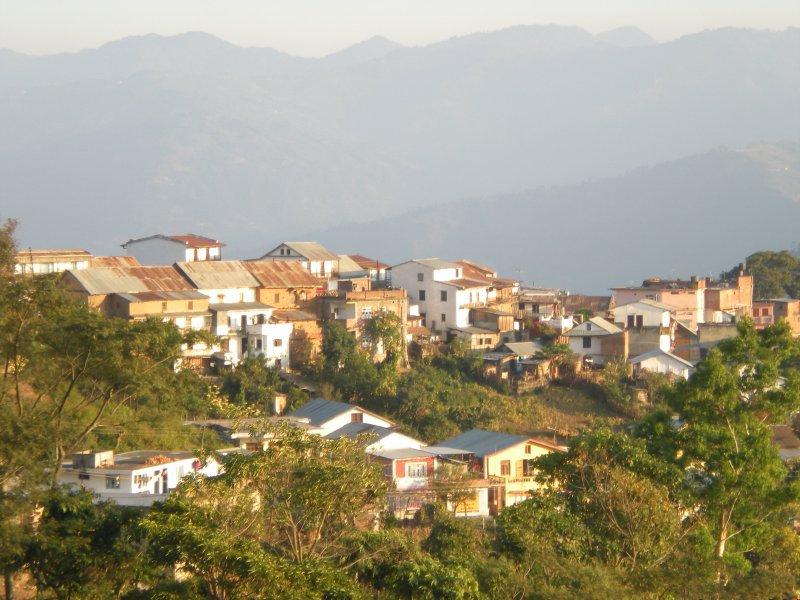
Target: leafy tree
775, 274
737, 478
252, 382
81, 549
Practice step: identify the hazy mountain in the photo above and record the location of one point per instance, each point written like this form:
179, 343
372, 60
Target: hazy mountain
250, 145
375, 47
695, 216
626, 37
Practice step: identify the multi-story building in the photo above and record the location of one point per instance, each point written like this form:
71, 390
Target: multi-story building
168, 249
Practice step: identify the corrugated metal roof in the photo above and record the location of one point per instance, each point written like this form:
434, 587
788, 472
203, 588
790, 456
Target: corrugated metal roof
161, 296
218, 274
484, 443
190, 239
348, 265
116, 280
197, 241
292, 314
307, 250
281, 274
603, 327
105, 262
39, 256
468, 283
238, 306
352, 430
319, 411
437, 263
368, 263
523, 348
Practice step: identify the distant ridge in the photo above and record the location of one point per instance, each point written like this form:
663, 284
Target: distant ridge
371, 49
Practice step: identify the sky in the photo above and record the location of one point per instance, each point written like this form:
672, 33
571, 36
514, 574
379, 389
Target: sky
319, 27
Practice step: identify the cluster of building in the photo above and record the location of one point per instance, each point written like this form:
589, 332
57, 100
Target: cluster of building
275, 305
477, 473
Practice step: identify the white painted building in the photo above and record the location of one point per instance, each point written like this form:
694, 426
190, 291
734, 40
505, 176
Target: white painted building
136, 478
643, 313
168, 249
381, 438
662, 362
328, 415
316, 259
41, 262
588, 339
443, 295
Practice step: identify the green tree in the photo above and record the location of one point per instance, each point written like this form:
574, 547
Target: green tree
737, 478
775, 274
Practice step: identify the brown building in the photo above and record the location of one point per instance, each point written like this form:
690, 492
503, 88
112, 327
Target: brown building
788, 310
763, 314
283, 284
354, 309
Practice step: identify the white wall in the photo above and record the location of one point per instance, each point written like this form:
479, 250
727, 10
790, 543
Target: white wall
341, 420
268, 333
230, 295
157, 251
651, 315
130, 493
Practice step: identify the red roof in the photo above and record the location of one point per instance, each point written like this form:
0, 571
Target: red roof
197, 241
368, 263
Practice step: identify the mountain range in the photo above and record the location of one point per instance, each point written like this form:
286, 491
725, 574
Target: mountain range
253, 146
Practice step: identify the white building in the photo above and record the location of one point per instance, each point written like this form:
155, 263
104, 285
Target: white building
597, 339
441, 291
248, 329
328, 415
168, 249
316, 259
136, 478
662, 362
644, 313
381, 438
40, 262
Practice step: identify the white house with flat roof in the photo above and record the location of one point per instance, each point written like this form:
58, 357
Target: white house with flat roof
136, 478
442, 292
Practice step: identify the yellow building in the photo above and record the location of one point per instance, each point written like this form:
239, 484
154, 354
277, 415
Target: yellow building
505, 460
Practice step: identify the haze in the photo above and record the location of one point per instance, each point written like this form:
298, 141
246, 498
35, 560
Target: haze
319, 27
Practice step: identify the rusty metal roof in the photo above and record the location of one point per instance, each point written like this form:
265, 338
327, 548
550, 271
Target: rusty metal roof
292, 314
104, 262
281, 274
43, 256
217, 274
191, 240
161, 296
116, 280
368, 263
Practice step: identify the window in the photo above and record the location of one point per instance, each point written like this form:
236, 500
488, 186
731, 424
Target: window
84, 476
505, 467
640, 320
527, 448
366, 312
277, 343
112, 482
630, 321
277, 298
191, 305
587, 341
422, 295
259, 344
588, 326
163, 307
420, 277
416, 470
357, 417
444, 317
443, 295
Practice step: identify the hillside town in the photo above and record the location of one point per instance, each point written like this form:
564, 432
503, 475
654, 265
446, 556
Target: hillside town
275, 307
305, 422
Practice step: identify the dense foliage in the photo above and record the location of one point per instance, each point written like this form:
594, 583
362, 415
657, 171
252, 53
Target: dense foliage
775, 274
